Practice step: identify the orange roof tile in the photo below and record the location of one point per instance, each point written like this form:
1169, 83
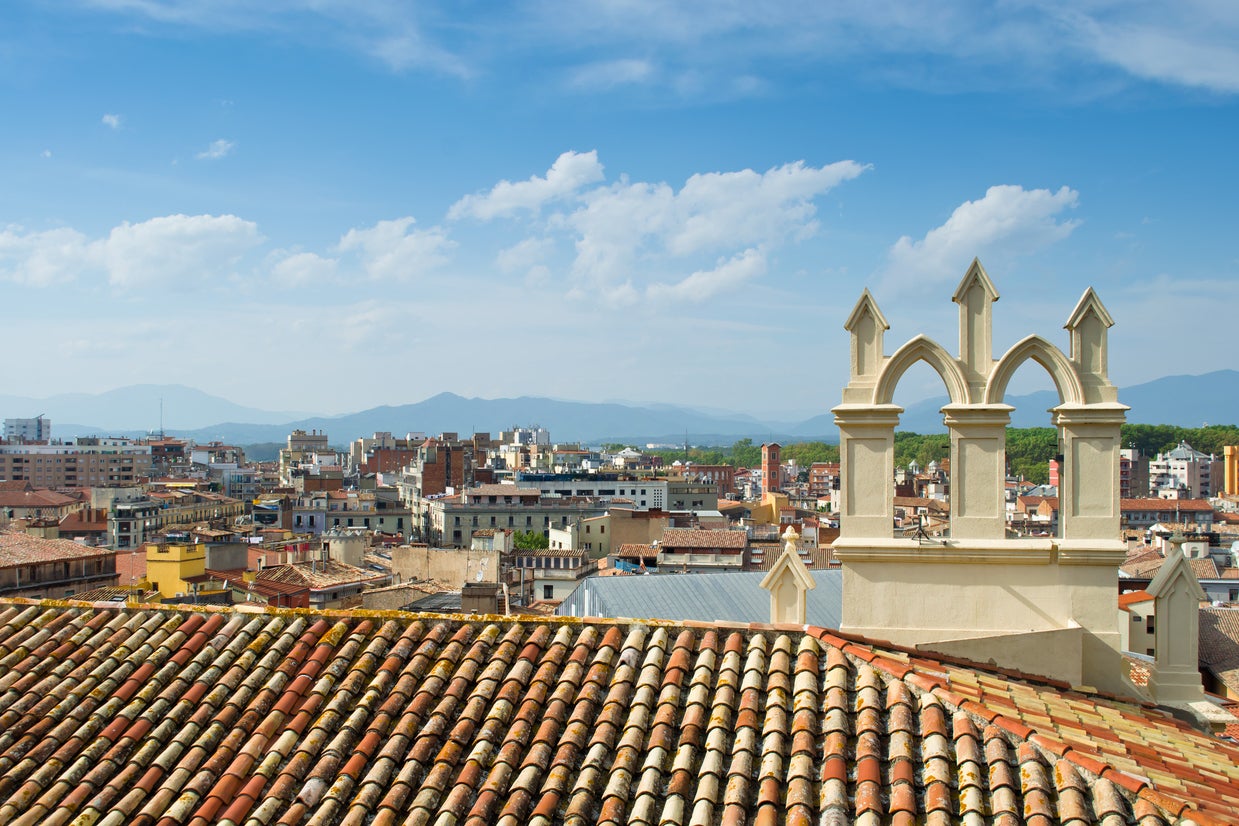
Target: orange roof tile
1133, 597
694, 538
18, 548
233, 716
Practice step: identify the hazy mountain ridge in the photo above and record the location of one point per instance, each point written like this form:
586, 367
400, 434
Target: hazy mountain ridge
1181, 400
137, 407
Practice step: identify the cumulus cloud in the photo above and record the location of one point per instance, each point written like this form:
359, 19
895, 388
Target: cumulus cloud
718, 213
111, 121
1016, 219
703, 284
643, 240
170, 249
570, 172
175, 248
524, 255
218, 149
42, 259
393, 250
303, 268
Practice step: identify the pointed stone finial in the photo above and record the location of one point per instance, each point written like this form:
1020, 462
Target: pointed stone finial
866, 324
1176, 608
788, 582
1088, 327
975, 296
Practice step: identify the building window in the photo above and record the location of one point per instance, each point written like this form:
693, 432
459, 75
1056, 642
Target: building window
548, 591
1148, 624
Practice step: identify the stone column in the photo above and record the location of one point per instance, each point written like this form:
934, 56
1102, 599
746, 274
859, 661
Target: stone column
978, 469
1088, 491
867, 469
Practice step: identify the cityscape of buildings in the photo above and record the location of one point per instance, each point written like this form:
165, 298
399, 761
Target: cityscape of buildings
1116, 577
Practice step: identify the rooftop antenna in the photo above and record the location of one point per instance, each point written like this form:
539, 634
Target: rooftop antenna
161, 417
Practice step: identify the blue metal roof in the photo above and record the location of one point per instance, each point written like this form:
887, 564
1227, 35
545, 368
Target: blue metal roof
727, 597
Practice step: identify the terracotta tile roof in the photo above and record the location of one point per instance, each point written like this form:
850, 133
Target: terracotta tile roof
694, 538
1165, 505
116, 593
1148, 566
1219, 644
35, 499
317, 575
1133, 597
265, 588
502, 490
636, 549
170, 715
19, 548
762, 556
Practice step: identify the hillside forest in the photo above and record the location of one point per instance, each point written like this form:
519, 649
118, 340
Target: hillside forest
1029, 449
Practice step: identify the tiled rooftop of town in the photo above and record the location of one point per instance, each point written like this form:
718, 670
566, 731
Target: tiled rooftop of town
20, 548
695, 538
145, 715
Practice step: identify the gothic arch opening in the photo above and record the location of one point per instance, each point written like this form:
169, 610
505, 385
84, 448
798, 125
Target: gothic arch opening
1035, 348
921, 348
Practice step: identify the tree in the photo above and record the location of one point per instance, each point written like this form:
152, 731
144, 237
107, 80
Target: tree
530, 541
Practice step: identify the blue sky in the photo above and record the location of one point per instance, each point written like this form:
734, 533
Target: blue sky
328, 206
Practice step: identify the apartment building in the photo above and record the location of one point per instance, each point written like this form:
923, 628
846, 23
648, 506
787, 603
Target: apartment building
39, 568
305, 450
451, 520
436, 465
37, 429
1186, 469
83, 463
642, 493
376, 510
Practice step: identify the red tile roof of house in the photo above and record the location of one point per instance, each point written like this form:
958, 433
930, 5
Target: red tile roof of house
178, 715
1219, 644
317, 575
18, 548
695, 538
1165, 505
41, 498
1133, 598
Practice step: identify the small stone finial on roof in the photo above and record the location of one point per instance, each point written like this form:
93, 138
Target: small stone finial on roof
1174, 681
788, 582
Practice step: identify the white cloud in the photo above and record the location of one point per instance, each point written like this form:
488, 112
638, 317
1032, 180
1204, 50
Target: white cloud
42, 259
218, 149
1203, 54
46, 153
612, 73
525, 255
570, 172
1009, 220
171, 249
717, 48
175, 249
703, 284
635, 226
303, 268
391, 250
111, 121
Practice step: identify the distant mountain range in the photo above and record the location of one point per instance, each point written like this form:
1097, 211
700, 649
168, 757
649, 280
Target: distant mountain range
1187, 401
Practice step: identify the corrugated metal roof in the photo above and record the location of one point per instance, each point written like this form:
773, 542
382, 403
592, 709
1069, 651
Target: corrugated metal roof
725, 597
